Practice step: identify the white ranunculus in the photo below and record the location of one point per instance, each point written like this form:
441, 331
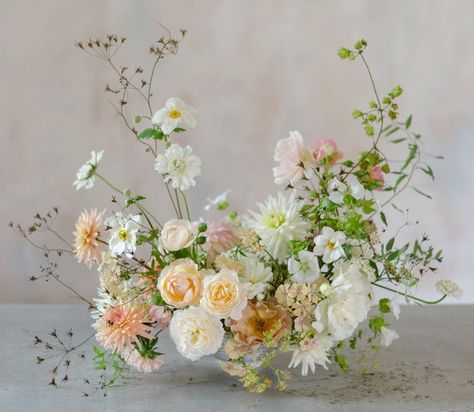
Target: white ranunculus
223, 295
255, 276
85, 175
347, 303
179, 166
175, 113
178, 234
196, 333
329, 245
124, 235
305, 269
388, 336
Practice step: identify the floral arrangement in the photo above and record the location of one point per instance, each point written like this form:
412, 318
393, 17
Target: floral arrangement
297, 274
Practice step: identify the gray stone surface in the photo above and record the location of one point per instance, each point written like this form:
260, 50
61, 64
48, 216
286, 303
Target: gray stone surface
430, 368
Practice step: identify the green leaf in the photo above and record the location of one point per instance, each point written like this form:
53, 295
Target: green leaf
422, 193
384, 218
399, 180
348, 163
389, 245
376, 324
179, 130
411, 156
396, 141
147, 134
392, 131
408, 122
384, 305
428, 170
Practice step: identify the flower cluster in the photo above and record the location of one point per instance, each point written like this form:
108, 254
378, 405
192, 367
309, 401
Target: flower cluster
298, 273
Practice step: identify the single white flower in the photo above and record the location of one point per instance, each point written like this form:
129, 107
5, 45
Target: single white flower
255, 276
177, 234
305, 269
388, 336
449, 288
85, 176
179, 166
195, 332
347, 303
329, 245
311, 352
336, 190
356, 189
278, 222
124, 235
223, 295
220, 202
175, 113
295, 160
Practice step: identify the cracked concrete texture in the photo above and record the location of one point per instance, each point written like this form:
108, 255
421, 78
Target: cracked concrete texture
430, 369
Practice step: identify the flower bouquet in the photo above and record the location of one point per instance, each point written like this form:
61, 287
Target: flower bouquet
298, 274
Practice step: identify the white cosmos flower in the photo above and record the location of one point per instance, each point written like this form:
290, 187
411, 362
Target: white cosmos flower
311, 352
124, 235
278, 222
329, 245
255, 276
388, 336
305, 269
179, 166
195, 332
448, 287
336, 190
347, 302
295, 160
356, 189
85, 175
175, 113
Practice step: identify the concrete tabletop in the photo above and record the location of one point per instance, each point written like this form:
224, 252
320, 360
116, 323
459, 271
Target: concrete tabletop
430, 368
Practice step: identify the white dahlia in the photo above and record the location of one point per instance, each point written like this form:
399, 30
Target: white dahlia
255, 276
311, 352
278, 222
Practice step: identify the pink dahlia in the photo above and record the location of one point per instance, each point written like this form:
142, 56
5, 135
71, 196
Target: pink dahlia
326, 149
121, 325
143, 364
86, 236
220, 237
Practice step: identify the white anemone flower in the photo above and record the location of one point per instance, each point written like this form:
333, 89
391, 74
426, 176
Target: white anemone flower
312, 352
388, 336
175, 113
179, 166
124, 235
278, 222
329, 245
305, 269
356, 189
255, 276
85, 176
336, 190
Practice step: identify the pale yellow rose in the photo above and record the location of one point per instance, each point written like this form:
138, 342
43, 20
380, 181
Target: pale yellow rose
223, 295
180, 283
178, 234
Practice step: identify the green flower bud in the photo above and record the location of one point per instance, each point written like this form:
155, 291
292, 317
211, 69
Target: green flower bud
369, 130
137, 119
202, 227
356, 114
372, 104
344, 53
201, 240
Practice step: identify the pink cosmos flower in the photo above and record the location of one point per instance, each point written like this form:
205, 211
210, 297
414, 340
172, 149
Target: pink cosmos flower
121, 325
326, 149
161, 315
220, 237
376, 173
294, 157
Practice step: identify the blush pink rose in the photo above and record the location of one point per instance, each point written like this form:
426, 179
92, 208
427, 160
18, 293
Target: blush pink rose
376, 173
326, 149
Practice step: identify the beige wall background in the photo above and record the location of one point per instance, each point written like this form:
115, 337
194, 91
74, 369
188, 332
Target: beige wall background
254, 70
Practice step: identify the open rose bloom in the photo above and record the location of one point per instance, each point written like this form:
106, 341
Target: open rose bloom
300, 272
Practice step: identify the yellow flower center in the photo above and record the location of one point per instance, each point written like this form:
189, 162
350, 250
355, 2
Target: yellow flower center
123, 235
275, 220
175, 114
331, 244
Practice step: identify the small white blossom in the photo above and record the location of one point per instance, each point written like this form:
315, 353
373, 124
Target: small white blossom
336, 190
85, 175
175, 113
124, 235
179, 166
449, 288
219, 201
395, 307
388, 336
304, 270
329, 245
356, 189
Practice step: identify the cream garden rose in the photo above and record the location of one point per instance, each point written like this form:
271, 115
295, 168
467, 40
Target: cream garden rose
178, 234
180, 283
196, 333
223, 295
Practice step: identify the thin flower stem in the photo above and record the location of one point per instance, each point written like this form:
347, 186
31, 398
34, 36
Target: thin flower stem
177, 202
171, 198
188, 214
427, 302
